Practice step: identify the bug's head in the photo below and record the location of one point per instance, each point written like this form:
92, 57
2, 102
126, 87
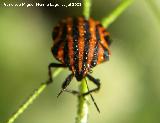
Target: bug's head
80, 75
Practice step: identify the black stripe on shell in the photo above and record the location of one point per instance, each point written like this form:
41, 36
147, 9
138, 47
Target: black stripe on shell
55, 32
96, 48
65, 52
87, 36
108, 40
75, 35
61, 40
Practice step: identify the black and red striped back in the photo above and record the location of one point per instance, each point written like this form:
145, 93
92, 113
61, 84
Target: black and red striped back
80, 44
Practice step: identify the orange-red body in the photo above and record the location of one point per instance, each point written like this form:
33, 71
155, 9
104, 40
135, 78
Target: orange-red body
80, 44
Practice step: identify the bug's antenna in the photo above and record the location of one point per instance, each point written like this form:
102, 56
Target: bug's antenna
60, 93
92, 97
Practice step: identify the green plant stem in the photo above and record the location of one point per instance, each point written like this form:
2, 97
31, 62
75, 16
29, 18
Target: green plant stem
116, 13
31, 99
82, 112
86, 8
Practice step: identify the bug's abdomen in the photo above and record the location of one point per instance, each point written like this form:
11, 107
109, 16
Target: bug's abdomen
80, 44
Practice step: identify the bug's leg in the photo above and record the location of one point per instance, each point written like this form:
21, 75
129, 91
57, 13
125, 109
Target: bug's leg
74, 92
50, 66
93, 98
96, 82
65, 84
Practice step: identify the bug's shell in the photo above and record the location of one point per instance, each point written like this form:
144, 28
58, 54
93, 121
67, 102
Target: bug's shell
80, 44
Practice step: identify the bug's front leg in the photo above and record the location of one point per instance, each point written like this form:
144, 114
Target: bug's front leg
96, 82
50, 66
65, 84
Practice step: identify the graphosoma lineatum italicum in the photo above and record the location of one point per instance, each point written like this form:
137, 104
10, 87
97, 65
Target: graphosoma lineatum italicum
80, 45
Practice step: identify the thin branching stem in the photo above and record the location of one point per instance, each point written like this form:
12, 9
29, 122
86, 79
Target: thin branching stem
86, 8
31, 99
107, 21
82, 111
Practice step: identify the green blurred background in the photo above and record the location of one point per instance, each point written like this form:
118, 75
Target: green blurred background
130, 90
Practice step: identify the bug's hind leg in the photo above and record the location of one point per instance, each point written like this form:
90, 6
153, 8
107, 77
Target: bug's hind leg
96, 82
50, 66
65, 84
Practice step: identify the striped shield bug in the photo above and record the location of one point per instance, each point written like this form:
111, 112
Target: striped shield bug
79, 45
